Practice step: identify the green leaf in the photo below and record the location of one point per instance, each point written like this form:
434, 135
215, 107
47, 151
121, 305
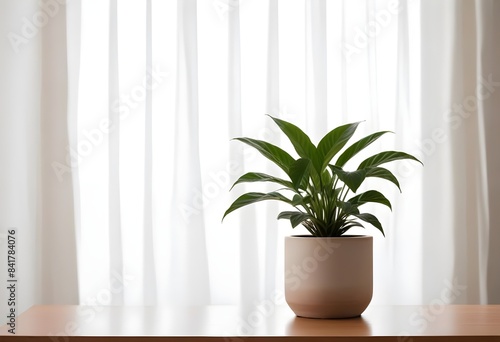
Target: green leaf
299, 173
348, 225
253, 197
385, 157
271, 152
318, 187
316, 180
352, 223
326, 178
300, 141
251, 177
333, 142
295, 217
371, 196
352, 150
372, 220
348, 208
353, 179
337, 191
383, 173
297, 200
301, 200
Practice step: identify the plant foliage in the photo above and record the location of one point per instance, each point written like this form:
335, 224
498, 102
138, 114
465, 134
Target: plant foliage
319, 188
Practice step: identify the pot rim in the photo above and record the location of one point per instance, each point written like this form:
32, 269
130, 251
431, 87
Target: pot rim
331, 237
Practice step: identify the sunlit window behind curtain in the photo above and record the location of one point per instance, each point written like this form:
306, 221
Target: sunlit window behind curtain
337, 62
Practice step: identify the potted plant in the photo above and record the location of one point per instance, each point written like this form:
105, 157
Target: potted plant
328, 274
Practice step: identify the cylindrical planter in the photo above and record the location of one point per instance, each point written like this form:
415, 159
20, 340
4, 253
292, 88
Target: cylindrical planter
328, 277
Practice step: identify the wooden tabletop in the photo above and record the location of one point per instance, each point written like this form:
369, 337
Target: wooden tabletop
265, 323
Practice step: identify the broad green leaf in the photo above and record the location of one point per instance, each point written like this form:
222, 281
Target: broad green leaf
271, 152
251, 177
385, 157
352, 150
295, 217
333, 142
253, 197
300, 141
372, 220
371, 196
353, 179
299, 173
383, 173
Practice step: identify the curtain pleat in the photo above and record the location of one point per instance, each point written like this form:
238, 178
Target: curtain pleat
371, 61
56, 196
489, 49
149, 263
20, 137
272, 108
187, 235
249, 280
455, 111
465, 153
406, 268
73, 23
344, 59
438, 221
114, 200
316, 68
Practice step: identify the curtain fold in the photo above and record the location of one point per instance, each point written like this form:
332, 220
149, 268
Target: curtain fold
73, 30
465, 150
20, 86
316, 67
489, 53
249, 282
460, 92
437, 210
36, 188
149, 263
272, 108
114, 198
191, 282
57, 206
407, 267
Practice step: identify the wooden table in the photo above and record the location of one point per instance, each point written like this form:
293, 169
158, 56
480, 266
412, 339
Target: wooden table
457, 323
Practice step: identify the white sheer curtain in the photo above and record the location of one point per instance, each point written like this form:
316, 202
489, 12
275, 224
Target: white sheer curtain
116, 120
459, 115
35, 99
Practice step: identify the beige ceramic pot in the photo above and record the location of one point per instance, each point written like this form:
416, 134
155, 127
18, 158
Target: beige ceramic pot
328, 277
